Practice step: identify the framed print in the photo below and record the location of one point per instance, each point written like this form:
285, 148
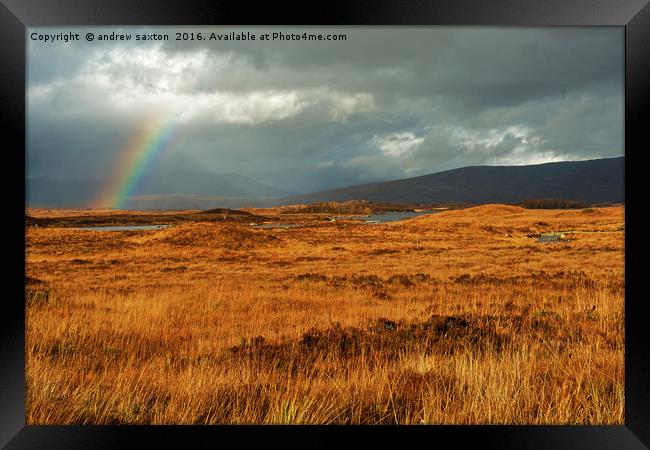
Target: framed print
393, 222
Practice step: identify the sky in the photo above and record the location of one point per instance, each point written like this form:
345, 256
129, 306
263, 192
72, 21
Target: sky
302, 116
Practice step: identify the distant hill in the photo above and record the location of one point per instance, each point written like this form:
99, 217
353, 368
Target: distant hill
226, 211
593, 181
165, 189
173, 180
47, 192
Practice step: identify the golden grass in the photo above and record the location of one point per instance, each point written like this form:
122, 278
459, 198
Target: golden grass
452, 318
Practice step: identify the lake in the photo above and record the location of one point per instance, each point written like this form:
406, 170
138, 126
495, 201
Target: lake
392, 216
372, 218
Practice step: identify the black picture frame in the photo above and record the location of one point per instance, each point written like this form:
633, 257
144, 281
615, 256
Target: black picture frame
16, 15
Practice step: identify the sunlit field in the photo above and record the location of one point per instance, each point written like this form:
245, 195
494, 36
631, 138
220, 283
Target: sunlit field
459, 317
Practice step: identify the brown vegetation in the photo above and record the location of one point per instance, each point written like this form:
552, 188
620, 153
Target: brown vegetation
553, 203
92, 218
455, 318
358, 207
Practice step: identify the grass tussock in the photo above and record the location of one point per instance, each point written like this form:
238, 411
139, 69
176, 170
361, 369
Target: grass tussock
232, 237
465, 320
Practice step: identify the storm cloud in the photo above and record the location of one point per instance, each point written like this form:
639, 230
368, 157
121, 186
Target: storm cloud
385, 103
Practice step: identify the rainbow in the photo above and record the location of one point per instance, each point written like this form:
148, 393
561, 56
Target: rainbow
136, 159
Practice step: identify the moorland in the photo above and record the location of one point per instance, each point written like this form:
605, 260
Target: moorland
457, 317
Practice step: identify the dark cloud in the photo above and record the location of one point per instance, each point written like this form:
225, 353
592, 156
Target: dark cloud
386, 103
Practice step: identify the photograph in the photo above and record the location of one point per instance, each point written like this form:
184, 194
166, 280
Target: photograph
325, 225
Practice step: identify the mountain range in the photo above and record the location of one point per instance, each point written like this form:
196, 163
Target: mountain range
167, 189
592, 181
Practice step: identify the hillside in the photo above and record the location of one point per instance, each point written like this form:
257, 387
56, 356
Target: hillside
594, 181
164, 189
